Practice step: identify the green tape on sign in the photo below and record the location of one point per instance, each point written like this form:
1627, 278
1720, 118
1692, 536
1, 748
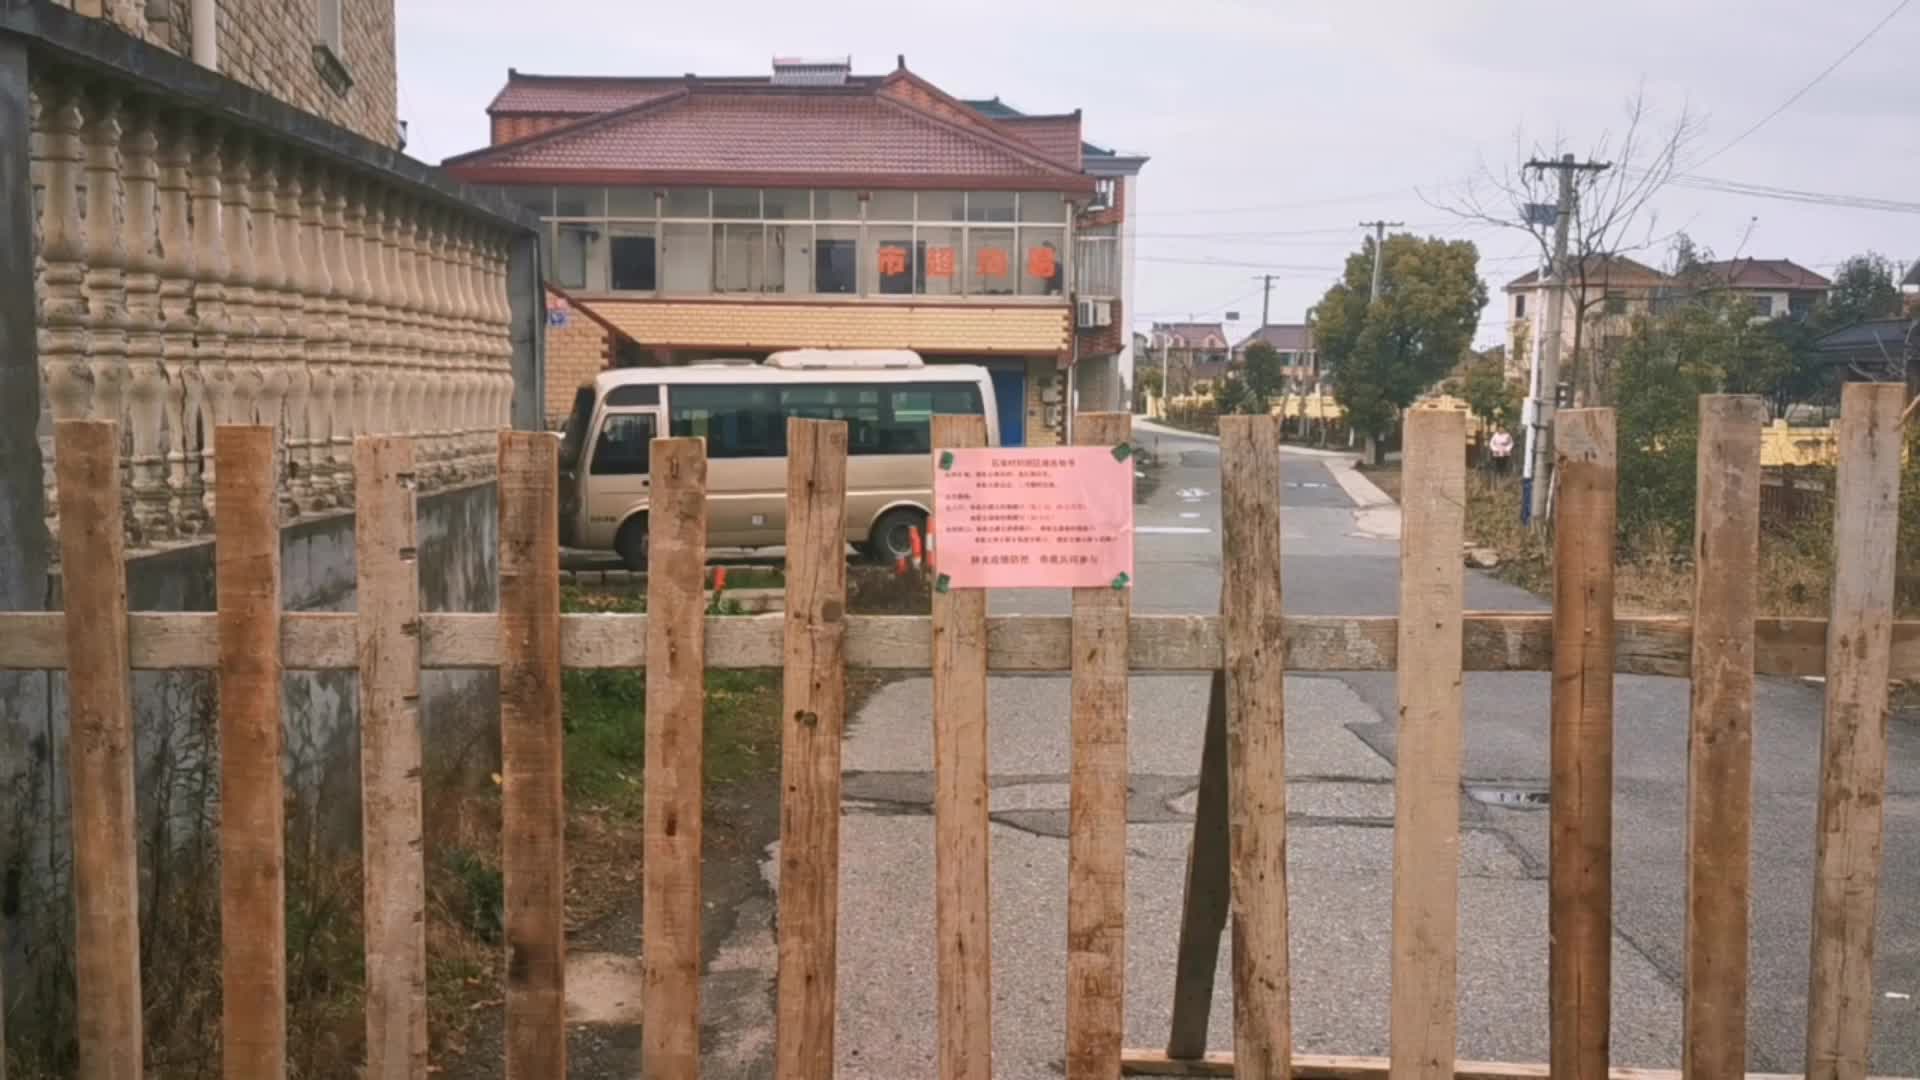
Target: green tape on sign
1121, 579
942, 583
1122, 452
946, 459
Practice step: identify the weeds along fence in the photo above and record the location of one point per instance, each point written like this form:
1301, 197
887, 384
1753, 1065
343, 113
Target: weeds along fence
249, 642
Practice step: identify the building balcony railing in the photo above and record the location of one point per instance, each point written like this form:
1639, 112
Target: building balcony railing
204, 255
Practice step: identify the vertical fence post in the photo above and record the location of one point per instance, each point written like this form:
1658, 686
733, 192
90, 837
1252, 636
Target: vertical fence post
1256, 745
1580, 845
676, 713
1097, 810
1853, 748
253, 933
93, 585
387, 594
960, 825
1726, 566
1426, 801
813, 716
532, 804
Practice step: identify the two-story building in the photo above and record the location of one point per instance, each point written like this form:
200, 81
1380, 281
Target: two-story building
1605, 296
695, 218
1299, 361
1774, 287
1195, 356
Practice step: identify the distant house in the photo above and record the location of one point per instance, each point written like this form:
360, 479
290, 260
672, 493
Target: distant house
1298, 358
1773, 286
1875, 350
1195, 355
1616, 289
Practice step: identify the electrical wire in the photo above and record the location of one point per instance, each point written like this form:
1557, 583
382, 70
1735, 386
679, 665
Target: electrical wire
1811, 83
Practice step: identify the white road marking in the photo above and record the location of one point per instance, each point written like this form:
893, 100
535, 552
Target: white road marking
1189, 513
1192, 493
1172, 530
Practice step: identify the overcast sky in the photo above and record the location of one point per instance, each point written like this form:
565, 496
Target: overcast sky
1297, 120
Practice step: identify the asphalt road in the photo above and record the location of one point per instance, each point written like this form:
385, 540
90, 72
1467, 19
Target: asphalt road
1340, 556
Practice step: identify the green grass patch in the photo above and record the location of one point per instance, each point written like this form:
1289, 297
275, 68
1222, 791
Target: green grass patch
604, 713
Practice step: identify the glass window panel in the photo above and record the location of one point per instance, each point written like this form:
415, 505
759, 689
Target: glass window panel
580, 202
537, 200
572, 251
836, 259
890, 206
1043, 262
634, 258
630, 202
890, 263
908, 427
789, 251
990, 205
686, 258
943, 206
623, 445
737, 203
737, 421
941, 261
787, 204
991, 266
859, 406
1043, 206
687, 203
739, 262
836, 206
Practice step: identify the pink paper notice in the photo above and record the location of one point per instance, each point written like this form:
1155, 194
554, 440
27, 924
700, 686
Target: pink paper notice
1034, 519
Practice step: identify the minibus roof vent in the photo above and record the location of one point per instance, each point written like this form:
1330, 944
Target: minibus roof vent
867, 359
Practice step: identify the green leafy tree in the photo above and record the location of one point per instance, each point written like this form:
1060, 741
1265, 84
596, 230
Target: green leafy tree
1236, 395
1265, 373
1863, 288
1711, 346
1487, 392
1382, 354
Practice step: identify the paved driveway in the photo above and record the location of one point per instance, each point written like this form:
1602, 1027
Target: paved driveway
1340, 557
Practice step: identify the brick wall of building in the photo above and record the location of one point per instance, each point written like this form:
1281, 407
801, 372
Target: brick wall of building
269, 45
576, 353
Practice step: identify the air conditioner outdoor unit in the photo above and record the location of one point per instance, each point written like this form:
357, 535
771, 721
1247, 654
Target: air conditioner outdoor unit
1094, 313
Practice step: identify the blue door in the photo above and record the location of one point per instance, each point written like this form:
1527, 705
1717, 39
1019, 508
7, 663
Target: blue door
1010, 392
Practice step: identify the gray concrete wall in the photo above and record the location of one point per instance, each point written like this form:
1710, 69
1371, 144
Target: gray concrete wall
174, 712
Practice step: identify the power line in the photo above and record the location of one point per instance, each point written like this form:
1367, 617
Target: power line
1817, 198
1815, 81
1268, 207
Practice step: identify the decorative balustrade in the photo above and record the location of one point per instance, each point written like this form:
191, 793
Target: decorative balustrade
195, 270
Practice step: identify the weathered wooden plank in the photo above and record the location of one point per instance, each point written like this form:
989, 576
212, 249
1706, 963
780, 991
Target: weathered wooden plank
1580, 826
813, 718
1256, 743
1726, 567
1426, 800
532, 801
1097, 810
387, 591
676, 713
1853, 748
961, 914
253, 932
1493, 641
1332, 1067
93, 584
1203, 914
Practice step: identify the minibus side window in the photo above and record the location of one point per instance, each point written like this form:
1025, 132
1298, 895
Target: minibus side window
625, 439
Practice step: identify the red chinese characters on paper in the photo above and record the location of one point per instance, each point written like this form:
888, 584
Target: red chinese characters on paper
990, 262
893, 261
940, 262
1042, 262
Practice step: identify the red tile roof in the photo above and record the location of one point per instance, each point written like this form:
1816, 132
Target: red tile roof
778, 135
1613, 270
1286, 337
1057, 136
1193, 335
1765, 274
586, 95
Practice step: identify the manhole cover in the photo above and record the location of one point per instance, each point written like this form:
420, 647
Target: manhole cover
1510, 798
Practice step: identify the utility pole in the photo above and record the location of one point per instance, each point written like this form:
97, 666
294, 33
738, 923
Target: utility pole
1266, 297
1379, 245
1546, 386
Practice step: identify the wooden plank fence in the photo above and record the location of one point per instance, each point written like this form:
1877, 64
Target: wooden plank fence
1238, 864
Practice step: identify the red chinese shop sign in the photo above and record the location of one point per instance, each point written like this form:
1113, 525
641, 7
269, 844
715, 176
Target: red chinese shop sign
1034, 519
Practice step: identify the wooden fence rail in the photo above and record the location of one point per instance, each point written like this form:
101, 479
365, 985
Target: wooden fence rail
1238, 865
